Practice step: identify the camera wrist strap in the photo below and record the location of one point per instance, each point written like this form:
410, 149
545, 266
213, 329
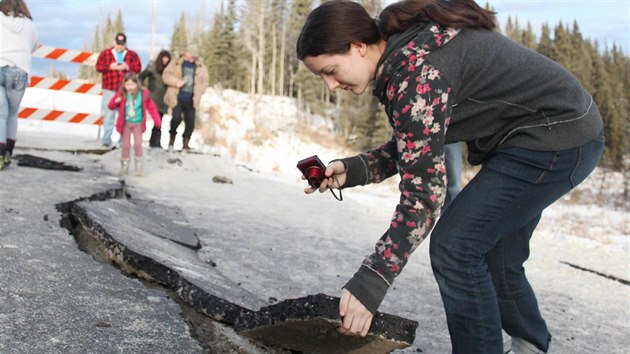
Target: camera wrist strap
340, 198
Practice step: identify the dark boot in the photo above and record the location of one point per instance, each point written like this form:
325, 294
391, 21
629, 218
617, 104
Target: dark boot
3, 150
9, 152
186, 147
171, 142
156, 137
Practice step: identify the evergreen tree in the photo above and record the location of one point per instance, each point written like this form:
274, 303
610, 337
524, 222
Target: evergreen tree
110, 30
231, 64
621, 68
210, 48
179, 39
108, 34
581, 62
563, 45
102, 40
602, 95
118, 25
221, 52
545, 45
512, 30
618, 121
528, 38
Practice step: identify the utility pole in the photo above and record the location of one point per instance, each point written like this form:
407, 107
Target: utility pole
152, 30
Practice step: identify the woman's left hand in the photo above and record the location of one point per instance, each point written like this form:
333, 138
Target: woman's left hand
356, 318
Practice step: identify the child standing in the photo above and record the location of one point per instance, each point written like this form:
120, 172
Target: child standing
133, 103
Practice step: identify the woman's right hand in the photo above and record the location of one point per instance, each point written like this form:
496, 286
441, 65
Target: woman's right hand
117, 99
335, 178
356, 318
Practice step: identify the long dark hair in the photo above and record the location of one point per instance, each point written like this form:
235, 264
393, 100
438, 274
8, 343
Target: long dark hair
333, 26
159, 63
15, 8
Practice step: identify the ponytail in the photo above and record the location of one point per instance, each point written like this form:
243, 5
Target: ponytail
399, 16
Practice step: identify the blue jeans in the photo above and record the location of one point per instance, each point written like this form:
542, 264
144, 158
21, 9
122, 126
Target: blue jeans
480, 243
109, 117
13, 83
453, 157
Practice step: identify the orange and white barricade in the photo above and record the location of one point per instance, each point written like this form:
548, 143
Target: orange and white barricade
69, 101
69, 55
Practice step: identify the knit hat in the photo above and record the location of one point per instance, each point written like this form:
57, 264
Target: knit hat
193, 49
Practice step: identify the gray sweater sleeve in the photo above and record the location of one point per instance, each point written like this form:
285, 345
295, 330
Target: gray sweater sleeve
356, 171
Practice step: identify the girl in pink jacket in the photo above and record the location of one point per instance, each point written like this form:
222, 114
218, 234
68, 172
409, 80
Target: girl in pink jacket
133, 102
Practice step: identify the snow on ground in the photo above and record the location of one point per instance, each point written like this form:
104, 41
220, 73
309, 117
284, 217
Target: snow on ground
267, 134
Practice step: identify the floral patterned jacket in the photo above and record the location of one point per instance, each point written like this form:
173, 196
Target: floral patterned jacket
416, 100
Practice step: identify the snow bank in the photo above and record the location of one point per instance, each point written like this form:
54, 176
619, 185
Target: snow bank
266, 133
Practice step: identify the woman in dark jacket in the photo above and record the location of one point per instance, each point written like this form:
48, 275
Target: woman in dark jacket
444, 76
152, 77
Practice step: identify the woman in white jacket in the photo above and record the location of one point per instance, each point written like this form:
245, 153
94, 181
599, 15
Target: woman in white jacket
17, 41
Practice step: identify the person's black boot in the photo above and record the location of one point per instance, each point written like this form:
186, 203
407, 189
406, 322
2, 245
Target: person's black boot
156, 137
6, 156
3, 150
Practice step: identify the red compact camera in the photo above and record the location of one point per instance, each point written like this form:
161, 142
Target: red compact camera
313, 169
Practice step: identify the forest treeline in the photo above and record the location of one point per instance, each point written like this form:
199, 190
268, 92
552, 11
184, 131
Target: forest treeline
250, 47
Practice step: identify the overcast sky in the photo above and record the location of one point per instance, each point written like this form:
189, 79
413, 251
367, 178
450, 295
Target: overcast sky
73, 22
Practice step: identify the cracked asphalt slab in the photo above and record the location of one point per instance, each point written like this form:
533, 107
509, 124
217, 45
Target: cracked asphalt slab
57, 299
262, 234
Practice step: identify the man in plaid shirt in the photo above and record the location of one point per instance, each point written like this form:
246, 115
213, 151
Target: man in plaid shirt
114, 63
